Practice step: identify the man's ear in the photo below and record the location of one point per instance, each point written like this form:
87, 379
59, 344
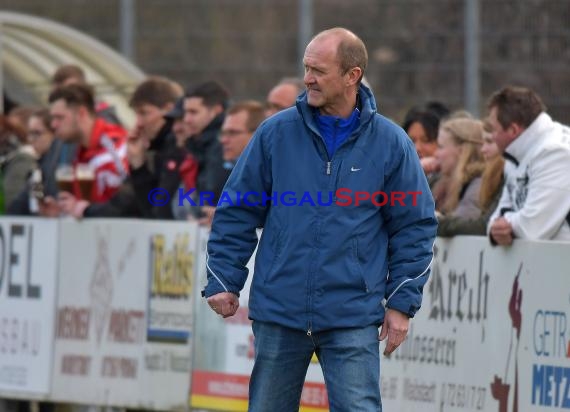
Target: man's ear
515, 130
353, 76
218, 108
167, 107
82, 112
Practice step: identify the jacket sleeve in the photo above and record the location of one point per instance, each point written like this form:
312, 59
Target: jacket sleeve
452, 225
233, 235
548, 199
449, 226
16, 175
143, 181
411, 232
122, 204
468, 206
20, 206
504, 204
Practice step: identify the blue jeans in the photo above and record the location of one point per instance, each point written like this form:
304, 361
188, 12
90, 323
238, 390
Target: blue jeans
349, 358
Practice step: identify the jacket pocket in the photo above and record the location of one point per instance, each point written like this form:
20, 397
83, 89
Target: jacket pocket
357, 267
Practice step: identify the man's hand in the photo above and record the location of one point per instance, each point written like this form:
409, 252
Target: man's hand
48, 207
208, 212
429, 164
70, 205
395, 327
224, 304
502, 231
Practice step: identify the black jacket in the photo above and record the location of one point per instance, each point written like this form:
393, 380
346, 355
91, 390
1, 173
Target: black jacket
47, 164
207, 150
148, 176
122, 204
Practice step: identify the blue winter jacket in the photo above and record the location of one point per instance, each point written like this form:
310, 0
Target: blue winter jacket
323, 267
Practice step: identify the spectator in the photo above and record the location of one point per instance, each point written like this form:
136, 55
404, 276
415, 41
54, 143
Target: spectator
242, 120
491, 186
204, 107
176, 163
461, 165
535, 202
39, 196
16, 163
422, 125
283, 95
179, 128
20, 116
153, 143
101, 145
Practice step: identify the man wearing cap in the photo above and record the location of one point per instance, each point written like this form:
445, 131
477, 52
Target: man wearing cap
204, 112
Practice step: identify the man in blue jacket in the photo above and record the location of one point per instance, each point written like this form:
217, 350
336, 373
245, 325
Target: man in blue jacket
330, 270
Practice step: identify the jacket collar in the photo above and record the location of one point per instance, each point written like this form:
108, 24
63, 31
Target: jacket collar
161, 140
365, 100
532, 135
209, 134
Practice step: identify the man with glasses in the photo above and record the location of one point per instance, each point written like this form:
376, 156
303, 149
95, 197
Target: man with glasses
239, 125
242, 119
283, 95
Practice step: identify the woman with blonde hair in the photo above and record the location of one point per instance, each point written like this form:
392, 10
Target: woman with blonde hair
492, 181
461, 165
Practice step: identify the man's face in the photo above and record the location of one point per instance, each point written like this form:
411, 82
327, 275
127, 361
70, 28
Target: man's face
326, 85
234, 136
197, 116
149, 120
503, 137
280, 98
65, 121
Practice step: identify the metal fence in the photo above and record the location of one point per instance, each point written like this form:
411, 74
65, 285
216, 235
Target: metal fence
418, 49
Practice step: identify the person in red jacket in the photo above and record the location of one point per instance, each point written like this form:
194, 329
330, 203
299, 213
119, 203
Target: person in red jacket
99, 165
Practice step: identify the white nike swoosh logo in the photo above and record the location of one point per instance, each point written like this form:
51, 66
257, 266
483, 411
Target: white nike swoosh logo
352, 169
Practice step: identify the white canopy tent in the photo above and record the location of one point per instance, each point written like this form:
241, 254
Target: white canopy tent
31, 49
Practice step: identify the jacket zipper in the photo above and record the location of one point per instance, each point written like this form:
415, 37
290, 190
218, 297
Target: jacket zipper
329, 163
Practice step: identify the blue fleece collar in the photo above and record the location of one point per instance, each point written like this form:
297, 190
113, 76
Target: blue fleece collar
336, 130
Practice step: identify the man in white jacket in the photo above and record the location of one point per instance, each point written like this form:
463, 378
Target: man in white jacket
535, 202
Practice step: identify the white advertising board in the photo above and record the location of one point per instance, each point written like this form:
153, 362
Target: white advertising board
28, 263
125, 302
493, 335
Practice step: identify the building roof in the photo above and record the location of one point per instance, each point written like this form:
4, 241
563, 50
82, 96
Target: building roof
32, 48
